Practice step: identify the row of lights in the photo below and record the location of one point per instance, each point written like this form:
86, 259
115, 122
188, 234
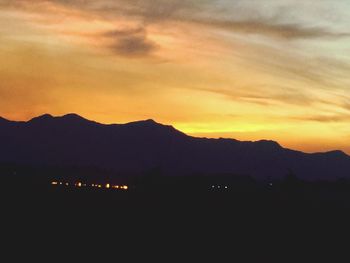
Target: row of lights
219, 187
80, 184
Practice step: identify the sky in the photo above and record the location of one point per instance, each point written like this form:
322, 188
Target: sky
244, 69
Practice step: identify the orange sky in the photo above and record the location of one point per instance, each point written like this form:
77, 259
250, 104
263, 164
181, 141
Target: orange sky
245, 69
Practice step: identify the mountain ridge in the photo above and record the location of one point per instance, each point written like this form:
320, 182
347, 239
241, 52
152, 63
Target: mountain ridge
138, 146
71, 116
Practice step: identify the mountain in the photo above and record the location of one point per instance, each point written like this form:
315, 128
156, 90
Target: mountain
136, 147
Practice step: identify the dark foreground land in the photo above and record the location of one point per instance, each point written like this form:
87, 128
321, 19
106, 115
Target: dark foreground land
263, 222
226, 198
257, 204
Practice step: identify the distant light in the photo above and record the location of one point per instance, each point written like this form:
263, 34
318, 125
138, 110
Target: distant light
67, 184
270, 184
79, 184
125, 187
99, 186
54, 183
60, 183
213, 186
226, 187
218, 186
108, 185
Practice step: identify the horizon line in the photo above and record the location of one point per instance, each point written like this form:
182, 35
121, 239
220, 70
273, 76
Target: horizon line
71, 114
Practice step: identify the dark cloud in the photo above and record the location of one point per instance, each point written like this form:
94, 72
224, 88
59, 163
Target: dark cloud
133, 46
125, 32
132, 42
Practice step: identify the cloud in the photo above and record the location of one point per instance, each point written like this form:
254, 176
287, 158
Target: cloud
242, 17
133, 46
274, 29
324, 118
130, 42
346, 106
125, 28
235, 17
265, 95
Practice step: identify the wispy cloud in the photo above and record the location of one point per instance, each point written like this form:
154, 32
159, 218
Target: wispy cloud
326, 118
265, 95
275, 29
212, 13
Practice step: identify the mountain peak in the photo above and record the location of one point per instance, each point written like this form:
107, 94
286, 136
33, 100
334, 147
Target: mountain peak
153, 126
148, 122
269, 143
73, 116
44, 117
337, 153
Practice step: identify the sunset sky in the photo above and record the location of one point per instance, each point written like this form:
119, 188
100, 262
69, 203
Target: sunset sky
245, 69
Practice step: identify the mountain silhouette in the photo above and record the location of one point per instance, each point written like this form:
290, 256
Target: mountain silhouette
136, 147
